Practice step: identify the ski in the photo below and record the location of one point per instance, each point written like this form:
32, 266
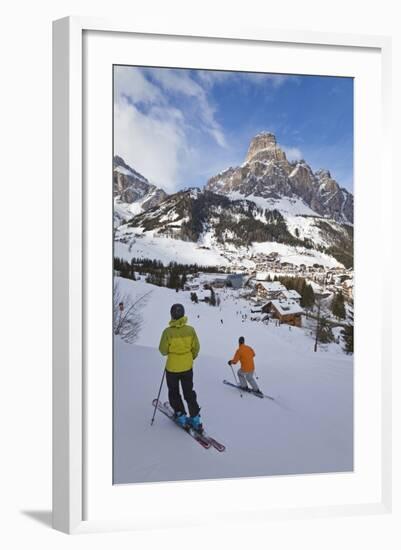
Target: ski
214, 443
247, 390
206, 444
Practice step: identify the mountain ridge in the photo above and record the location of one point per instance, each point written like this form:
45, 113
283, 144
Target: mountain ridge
267, 173
266, 199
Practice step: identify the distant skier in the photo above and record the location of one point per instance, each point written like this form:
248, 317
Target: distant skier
181, 345
245, 355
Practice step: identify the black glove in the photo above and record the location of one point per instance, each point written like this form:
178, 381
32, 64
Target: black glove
230, 363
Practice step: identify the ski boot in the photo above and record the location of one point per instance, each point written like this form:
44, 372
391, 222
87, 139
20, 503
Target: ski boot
195, 422
258, 392
181, 419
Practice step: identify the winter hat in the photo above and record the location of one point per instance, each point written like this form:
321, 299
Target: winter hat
177, 311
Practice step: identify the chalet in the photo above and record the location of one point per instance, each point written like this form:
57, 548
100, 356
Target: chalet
270, 290
291, 295
286, 311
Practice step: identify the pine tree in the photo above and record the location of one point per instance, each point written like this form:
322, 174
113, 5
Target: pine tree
337, 305
325, 334
183, 280
348, 338
307, 296
212, 301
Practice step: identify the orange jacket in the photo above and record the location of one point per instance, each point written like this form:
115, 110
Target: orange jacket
244, 355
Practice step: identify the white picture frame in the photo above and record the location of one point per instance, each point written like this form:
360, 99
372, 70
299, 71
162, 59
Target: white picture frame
70, 310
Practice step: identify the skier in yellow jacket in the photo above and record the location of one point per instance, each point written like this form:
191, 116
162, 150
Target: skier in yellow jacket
180, 344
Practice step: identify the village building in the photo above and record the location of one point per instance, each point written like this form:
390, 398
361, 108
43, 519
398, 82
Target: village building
291, 295
269, 290
235, 280
219, 282
287, 312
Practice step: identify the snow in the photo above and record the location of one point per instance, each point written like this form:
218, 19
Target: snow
128, 172
308, 429
286, 205
291, 294
287, 307
133, 242
273, 286
165, 249
124, 171
295, 255
262, 275
124, 211
307, 229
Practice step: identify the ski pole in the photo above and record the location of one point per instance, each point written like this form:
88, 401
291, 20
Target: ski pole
235, 378
158, 395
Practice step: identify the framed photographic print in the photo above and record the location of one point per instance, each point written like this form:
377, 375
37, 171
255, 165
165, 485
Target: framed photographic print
216, 204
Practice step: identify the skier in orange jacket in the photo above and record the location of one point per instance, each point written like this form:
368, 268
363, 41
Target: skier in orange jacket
245, 355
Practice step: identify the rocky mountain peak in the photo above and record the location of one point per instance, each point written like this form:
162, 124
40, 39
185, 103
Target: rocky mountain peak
264, 147
323, 174
129, 188
268, 174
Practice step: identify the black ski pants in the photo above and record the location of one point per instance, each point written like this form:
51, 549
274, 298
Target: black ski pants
174, 397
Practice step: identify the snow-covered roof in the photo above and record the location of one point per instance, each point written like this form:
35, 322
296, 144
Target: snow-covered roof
287, 307
348, 283
273, 286
291, 294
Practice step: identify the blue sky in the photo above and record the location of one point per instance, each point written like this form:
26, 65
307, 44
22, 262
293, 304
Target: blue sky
179, 127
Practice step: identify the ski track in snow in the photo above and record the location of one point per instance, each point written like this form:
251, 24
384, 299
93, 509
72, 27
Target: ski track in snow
309, 429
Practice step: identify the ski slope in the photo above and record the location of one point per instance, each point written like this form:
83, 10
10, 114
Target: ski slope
308, 429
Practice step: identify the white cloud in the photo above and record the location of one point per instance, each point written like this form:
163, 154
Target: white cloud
130, 82
153, 144
180, 82
152, 134
214, 78
165, 123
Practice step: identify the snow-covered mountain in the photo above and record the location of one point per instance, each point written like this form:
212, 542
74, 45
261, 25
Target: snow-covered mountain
267, 177
132, 192
266, 200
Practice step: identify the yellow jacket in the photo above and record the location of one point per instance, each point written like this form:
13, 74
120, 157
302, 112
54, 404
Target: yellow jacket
180, 343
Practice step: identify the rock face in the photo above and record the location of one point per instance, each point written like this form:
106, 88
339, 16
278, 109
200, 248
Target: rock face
267, 199
129, 187
268, 174
333, 198
264, 147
